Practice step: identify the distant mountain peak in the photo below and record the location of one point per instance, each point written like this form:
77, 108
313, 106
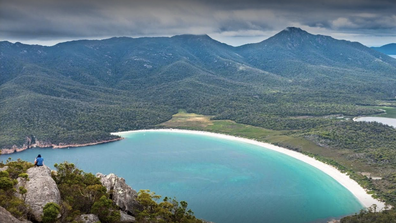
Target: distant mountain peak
389, 49
195, 38
192, 36
293, 35
294, 29
5, 42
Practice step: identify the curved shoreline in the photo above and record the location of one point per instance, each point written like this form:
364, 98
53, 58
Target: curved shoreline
359, 192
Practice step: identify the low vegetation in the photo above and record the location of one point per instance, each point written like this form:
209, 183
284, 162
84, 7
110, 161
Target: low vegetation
8, 182
82, 193
369, 216
168, 210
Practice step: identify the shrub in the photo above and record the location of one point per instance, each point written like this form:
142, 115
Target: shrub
169, 210
6, 183
106, 210
50, 212
79, 190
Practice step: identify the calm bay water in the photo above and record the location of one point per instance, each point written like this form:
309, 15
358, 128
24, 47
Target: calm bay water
222, 180
386, 121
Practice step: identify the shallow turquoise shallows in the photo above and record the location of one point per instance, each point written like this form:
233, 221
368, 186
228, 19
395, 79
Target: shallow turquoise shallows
224, 181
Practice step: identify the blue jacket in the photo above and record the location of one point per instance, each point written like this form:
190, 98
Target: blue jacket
39, 161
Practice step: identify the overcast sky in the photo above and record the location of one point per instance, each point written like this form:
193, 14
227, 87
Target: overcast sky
235, 22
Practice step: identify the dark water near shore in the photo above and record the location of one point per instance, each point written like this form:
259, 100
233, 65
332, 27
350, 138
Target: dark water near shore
223, 181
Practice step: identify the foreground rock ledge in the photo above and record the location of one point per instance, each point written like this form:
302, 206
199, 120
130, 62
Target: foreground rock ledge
41, 189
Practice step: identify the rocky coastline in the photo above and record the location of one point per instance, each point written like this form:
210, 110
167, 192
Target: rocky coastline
16, 149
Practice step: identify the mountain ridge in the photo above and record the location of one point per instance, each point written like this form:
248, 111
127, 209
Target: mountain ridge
389, 49
286, 30
302, 90
131, 83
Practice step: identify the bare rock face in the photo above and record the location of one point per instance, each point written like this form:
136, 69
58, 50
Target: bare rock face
41, 189
125, 218
3, 168
87, 218
6, 217
334, 221
122, 194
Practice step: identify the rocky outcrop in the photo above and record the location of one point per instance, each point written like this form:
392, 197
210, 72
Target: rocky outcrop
122, 194
30, 143
6, 217
15, 149
41, 189
87, 218
3, 168
125, 218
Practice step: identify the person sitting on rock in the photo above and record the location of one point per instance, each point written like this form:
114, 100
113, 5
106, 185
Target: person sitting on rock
39, 161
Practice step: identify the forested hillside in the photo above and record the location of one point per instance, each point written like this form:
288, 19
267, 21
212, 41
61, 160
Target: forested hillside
80, 91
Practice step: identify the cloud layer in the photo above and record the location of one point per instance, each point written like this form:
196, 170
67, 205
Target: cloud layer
235, 22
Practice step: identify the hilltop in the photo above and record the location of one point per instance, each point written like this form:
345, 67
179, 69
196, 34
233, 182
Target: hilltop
389, 49
78, 92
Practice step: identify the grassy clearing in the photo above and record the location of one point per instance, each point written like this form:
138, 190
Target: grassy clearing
390, 112
185, 120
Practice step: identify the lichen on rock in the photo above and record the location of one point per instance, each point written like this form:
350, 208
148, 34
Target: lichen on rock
125, 218
87, 218
41, 189
6, 217
120, 192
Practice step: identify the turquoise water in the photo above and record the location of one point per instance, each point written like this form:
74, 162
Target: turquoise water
385, 121
222, 180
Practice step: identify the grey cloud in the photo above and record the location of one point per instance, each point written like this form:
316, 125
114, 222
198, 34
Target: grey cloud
52, 19
373, 22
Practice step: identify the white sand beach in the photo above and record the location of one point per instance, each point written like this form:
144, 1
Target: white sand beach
360, 193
